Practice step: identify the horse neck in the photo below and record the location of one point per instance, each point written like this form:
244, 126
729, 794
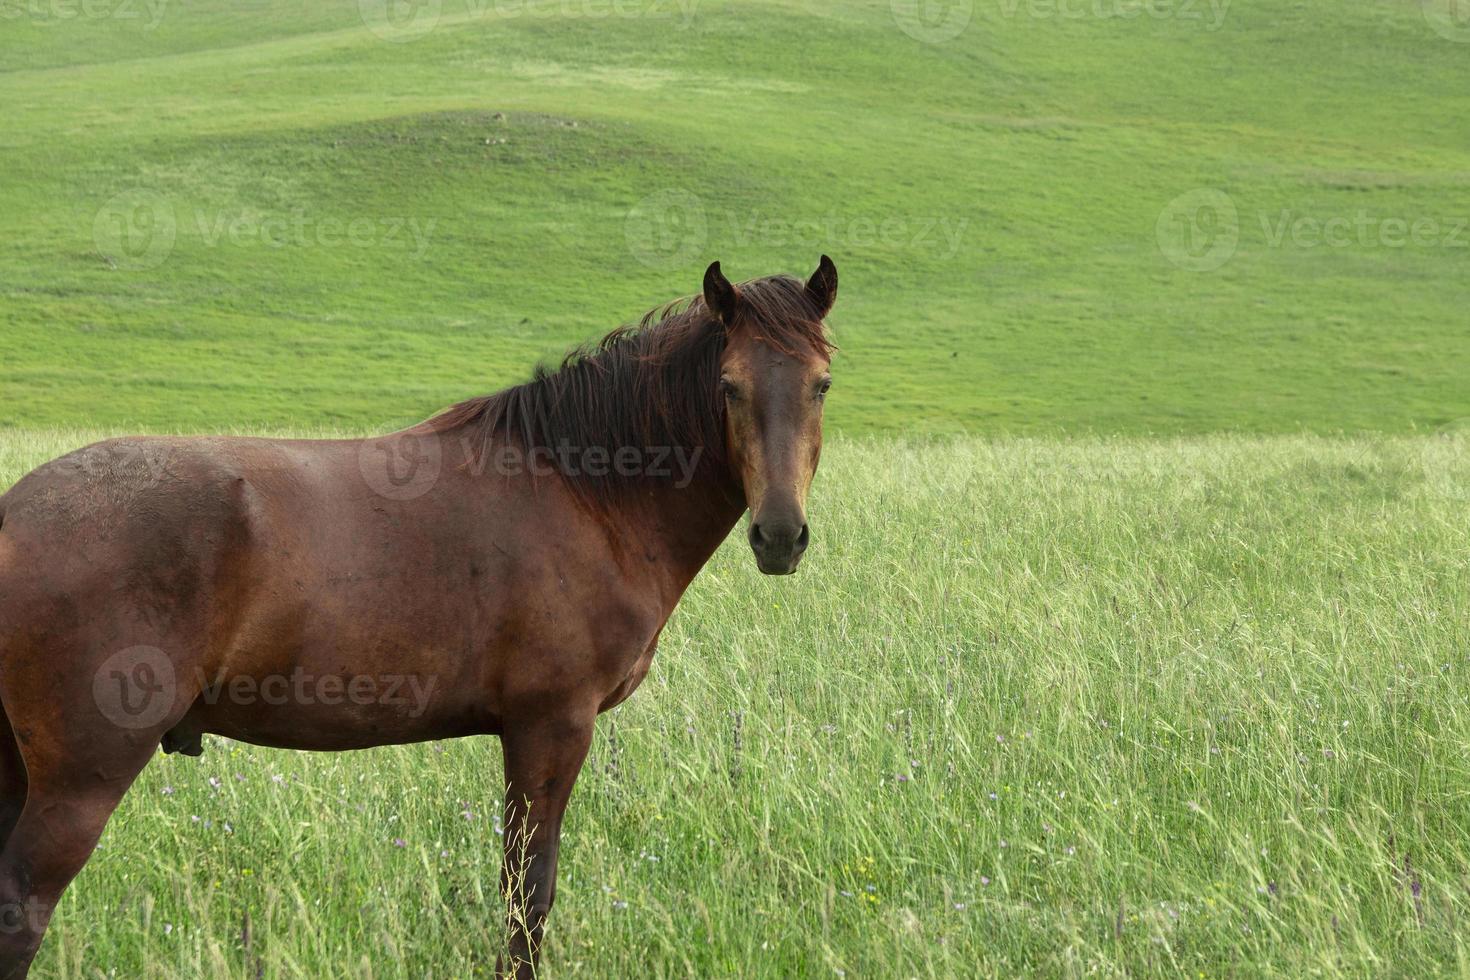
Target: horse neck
676, 528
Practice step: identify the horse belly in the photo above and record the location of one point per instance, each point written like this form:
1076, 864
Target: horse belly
329, 712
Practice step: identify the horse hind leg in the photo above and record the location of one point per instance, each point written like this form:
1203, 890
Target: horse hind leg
74, 783
12, 779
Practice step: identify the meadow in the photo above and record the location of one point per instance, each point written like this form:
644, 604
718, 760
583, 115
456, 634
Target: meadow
1132, 641
1069, 217
1093, 707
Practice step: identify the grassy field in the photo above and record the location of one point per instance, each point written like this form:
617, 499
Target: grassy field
1072, 683
1176, 217
1097, 707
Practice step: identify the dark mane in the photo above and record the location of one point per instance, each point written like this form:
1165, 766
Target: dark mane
651, 386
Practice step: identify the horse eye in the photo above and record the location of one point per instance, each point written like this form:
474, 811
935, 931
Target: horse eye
728, 389
825, 387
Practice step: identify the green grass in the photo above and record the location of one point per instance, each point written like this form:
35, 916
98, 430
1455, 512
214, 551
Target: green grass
993, 203
1071, 684
1047, 707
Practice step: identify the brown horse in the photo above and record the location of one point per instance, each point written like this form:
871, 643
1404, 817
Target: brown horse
503, 568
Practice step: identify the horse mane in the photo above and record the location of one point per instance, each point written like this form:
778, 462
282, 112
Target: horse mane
653, 385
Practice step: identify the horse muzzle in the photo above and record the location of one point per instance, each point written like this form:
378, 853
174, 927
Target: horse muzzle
778, 545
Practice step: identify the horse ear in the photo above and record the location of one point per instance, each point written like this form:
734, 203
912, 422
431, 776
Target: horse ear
822, 286
719, 295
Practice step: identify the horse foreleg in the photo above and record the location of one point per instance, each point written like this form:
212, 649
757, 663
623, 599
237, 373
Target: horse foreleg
542, 760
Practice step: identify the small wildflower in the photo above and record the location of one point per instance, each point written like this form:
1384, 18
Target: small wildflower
985, 879
168, 791
399, 842
214, 781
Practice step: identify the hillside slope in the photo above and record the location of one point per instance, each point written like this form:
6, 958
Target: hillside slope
1179, 217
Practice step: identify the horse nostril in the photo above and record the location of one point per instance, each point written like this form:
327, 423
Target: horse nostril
803, 538
756, 538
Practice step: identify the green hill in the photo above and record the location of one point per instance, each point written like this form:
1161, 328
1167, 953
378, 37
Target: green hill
226, 215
